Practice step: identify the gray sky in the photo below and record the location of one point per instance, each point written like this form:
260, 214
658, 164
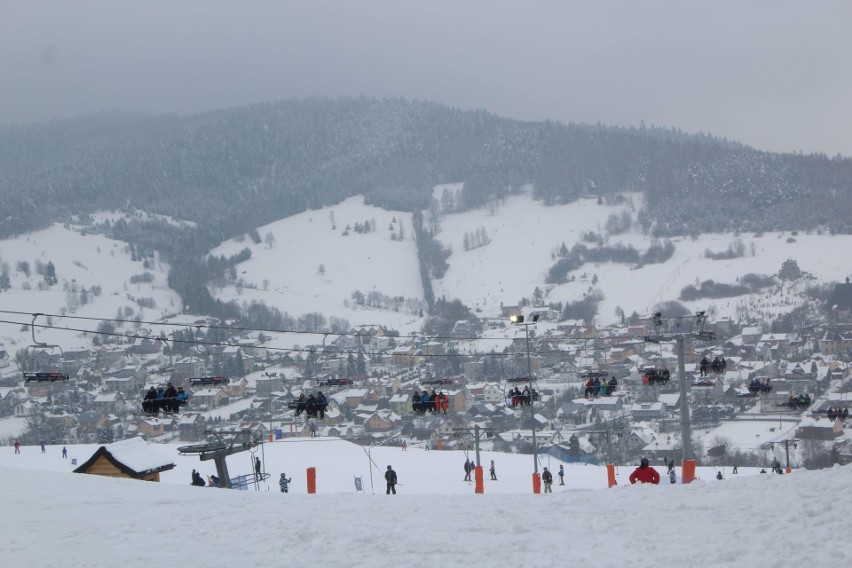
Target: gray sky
773, 74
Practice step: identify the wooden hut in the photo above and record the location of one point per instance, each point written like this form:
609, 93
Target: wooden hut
132, 458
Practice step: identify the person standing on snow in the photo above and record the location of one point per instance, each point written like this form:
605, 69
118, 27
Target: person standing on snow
645, 473
390, 477
284, 483
561, 474
493, 472
547, 477
257, 467
466, 470
672, 476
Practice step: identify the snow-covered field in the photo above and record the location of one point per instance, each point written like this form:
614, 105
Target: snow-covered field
54, 518
305, 264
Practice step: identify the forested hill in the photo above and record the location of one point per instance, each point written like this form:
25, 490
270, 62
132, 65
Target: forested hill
237, 168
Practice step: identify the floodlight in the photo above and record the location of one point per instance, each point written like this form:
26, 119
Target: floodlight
516, 319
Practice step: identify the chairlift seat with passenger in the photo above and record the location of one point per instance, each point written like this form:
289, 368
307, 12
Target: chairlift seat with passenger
42, 377
207, 381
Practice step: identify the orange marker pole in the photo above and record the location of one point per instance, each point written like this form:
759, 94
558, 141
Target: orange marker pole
536, 483
312, 480
610, 475
688, 471
480, 480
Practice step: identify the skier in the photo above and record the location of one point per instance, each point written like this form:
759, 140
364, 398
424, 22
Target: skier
561, 474
390, 477
41, 443
547, 477
17, 447
284, 483
645, 473
64, 452
493, 472
257, 467
404, 445
466, 471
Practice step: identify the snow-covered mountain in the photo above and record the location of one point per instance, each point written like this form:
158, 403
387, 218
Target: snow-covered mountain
359, 263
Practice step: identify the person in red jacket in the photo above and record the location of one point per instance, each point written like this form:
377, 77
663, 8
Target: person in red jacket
645, 473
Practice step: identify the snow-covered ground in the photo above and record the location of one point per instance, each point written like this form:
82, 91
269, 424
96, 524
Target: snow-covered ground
55, 518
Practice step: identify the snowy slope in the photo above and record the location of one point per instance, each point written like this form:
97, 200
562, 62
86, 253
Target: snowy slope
55, 518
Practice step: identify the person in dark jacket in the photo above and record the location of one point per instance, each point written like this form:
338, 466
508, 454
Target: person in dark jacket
390, 477
284, 483
197, 480
547, 478
466, 471
645, 473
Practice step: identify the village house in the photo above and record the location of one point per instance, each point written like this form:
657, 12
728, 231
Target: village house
151, 427
191, 427
109, 403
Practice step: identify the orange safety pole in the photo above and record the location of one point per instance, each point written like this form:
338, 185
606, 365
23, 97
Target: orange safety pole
789, 469
480, 480
610, 475
536, 483
688, 471
440, 444
312, 480
271, 437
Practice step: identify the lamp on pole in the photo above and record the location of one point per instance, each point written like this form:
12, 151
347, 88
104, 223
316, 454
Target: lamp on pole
519, 320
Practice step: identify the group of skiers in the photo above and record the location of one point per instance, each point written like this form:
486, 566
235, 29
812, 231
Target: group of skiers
600, 387
516, 397
717, 365
433, 402
167, 399
835, 413
312, 406
798, 402
756, 386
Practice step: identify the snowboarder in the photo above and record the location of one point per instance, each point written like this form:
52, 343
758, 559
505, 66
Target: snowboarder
561, 474
719, 475
493, 472
547, 477
390, 477
284, 483
645, 473
672, 476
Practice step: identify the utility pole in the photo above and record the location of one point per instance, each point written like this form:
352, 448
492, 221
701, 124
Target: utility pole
476, 437
679, 339
519, 320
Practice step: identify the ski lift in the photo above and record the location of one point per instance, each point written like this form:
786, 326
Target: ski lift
209, 381
43, 362
517, 397
656, 375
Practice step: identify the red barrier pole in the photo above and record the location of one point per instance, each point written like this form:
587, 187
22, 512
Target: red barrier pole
312, 480
610, 475
480, 480
536, 483
688, 471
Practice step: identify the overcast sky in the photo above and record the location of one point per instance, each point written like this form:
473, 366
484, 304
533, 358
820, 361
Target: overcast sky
776, 74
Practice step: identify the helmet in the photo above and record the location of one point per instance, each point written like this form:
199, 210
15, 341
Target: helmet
643, 462
389, 467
